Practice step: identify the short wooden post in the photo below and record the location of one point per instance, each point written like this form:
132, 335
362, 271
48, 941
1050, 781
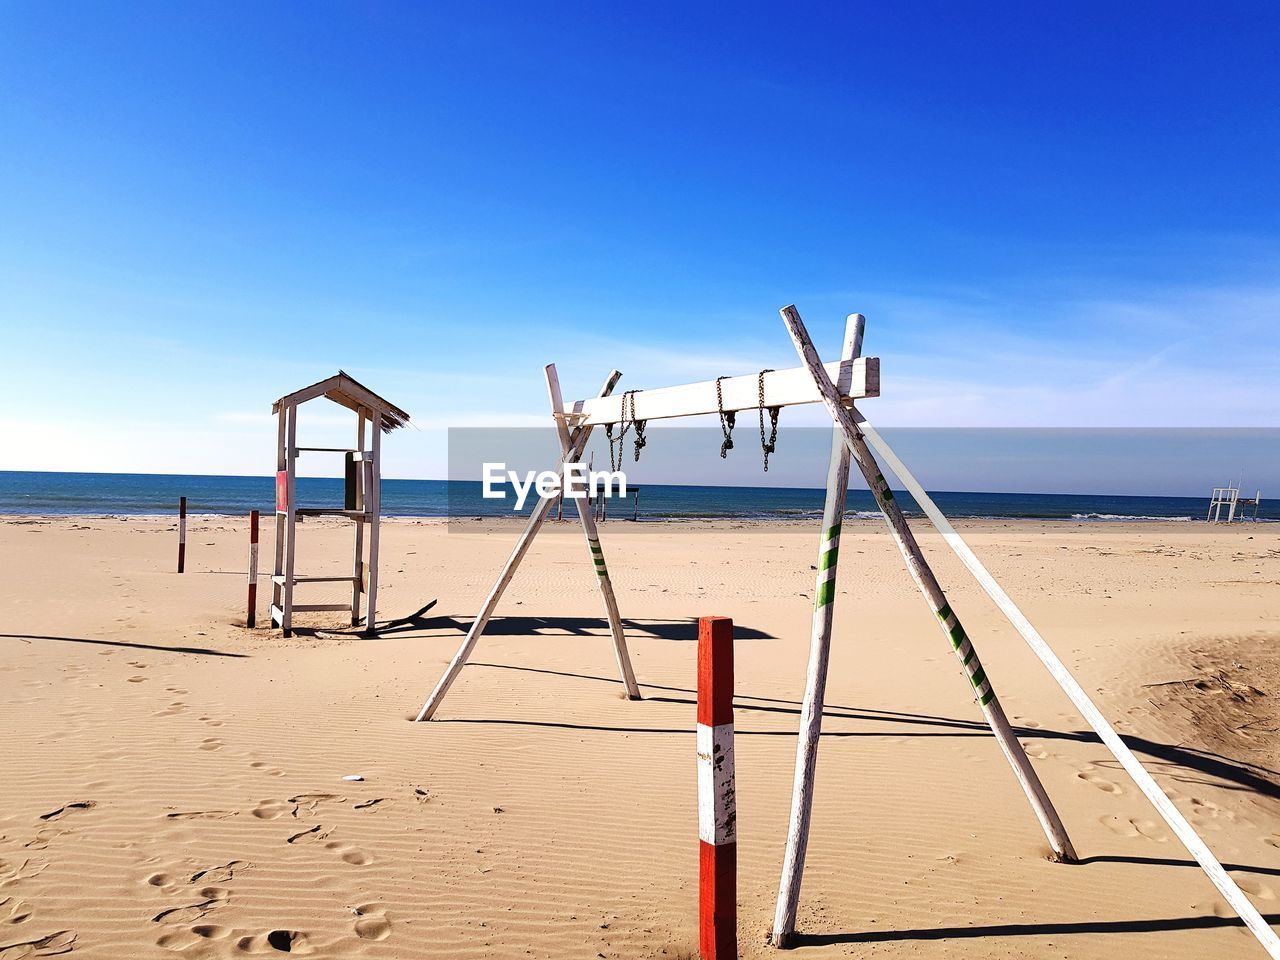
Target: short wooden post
717, 800
251, 619
182, 534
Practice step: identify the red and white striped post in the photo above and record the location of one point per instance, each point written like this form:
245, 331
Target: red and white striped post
182, 533
251, 620
717, 801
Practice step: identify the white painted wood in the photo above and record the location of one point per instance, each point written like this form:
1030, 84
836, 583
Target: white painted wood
784, 918
357, 560
595, 552
717, 801
782, 388
1092, 715
929, 586
536, 517
291, 522
277, 589
319, 607
280, 579
373, 507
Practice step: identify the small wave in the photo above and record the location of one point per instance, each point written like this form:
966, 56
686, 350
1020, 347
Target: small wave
1123, 516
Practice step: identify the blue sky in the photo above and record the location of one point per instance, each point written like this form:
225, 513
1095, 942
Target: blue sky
1051, 217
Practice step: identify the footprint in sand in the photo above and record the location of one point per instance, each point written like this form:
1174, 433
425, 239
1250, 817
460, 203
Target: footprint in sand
1036, 750
44, 836
1255, 888
275, 941
1102, 783
1129, 827
371, 922
271, 809
349, 854
137, 680
212, 898
200, 815
199, 933
318, 832
210, 743
1272, 841
71, 807
220, 874
267, 768
14, 871
309, 801
209, 721
172, 709
52, 945
176, 690
13, 910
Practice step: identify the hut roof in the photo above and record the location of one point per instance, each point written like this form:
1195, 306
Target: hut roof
344, 389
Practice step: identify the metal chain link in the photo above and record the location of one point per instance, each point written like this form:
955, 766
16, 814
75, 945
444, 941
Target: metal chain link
768, 446
727, 420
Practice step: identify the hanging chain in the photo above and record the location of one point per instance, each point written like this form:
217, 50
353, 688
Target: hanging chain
770, 445
638, 424
616, 454
727, 420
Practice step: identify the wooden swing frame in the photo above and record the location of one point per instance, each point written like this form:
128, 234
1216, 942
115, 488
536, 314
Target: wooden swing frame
837, 385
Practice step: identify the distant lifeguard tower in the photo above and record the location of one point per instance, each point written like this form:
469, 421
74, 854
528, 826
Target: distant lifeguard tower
1228, 500
362, 503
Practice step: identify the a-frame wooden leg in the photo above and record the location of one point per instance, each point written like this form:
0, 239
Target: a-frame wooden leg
593, 545
784, 918
928, 584
539, 514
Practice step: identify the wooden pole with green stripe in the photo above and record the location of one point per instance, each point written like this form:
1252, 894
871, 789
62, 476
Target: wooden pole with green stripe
928, 584
586, 515
784, 919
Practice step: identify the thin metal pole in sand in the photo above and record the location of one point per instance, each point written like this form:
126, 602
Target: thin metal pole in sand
182, 534
928, 584
251, 618
539, 514
593, 544
784, 919
1092, 715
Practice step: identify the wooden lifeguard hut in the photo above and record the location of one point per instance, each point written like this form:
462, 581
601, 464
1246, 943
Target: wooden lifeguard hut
362, 503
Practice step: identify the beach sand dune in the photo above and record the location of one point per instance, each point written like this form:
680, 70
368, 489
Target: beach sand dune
173, 784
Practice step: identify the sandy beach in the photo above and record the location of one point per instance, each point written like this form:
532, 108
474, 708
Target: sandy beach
173, 782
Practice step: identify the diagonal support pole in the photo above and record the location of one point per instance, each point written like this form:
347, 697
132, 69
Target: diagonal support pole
815, 686
536, 518
593, 544
1230, 891
929, 586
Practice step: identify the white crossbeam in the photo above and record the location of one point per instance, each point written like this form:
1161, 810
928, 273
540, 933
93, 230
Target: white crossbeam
854, 379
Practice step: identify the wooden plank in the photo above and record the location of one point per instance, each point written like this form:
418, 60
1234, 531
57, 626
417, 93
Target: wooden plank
277, 590
373, 507
782, 388
1071, 687
251, 618
332, 512
291, 499
357, 557
595, 553
784, 919
343, 579
182, 534
319, 607
923, 575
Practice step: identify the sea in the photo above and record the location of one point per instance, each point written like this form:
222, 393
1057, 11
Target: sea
126, 494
